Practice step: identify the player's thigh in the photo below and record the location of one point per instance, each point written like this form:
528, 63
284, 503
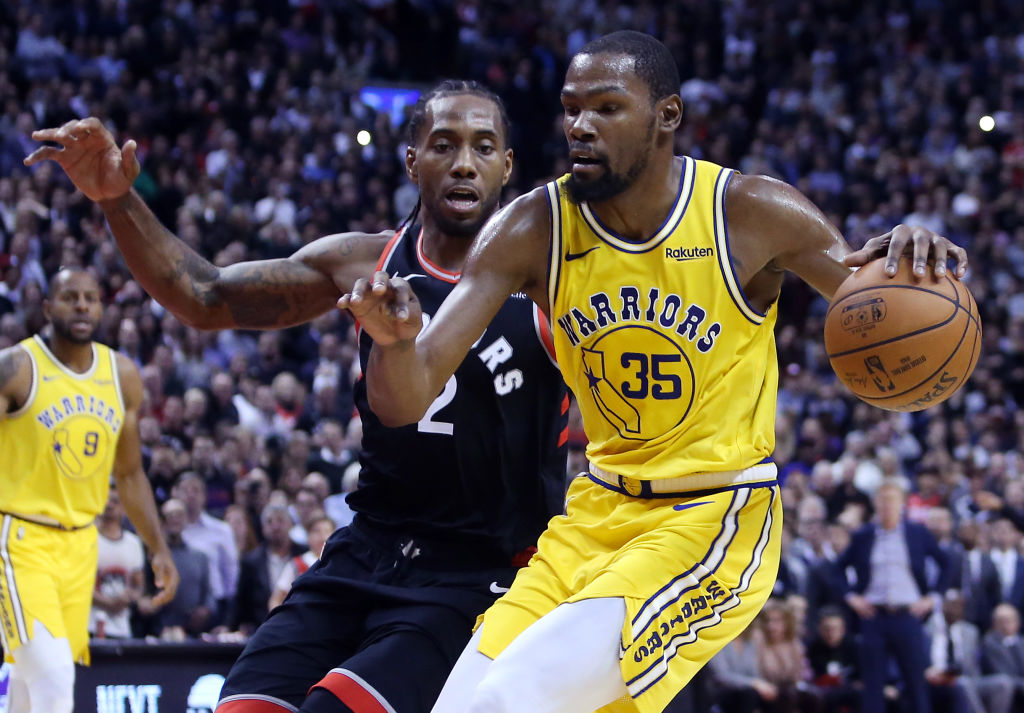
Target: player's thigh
295, 646
29, 585
77, 582
691, 587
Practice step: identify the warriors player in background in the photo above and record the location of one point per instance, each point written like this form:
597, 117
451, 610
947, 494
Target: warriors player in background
68, 421
446, 508
661, 275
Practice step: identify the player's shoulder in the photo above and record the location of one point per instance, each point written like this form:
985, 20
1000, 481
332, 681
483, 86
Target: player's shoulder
15, 363
759, 192
528, 214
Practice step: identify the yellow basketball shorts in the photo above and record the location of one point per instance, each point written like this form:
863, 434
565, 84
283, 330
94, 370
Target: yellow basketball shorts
48, 576
694, 571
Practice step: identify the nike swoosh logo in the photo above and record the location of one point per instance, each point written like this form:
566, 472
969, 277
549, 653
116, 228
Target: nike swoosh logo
569, 257
498, 590
49, 378
409, 276
687, 506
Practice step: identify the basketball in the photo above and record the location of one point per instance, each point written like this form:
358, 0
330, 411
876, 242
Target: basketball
902, 343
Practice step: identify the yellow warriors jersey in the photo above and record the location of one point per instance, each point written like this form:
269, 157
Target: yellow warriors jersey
674, 371
58, 448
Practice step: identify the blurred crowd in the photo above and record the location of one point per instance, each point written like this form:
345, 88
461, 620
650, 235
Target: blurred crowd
255, 138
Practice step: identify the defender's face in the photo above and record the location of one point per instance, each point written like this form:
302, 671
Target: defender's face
74, 309
460, 162
609, 123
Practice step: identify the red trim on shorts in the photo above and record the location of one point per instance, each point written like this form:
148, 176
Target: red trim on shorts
350, 693
251, 705
563, 437
565, 403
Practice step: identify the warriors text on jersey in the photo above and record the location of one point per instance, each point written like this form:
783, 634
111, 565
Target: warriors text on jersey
59, 446
486, 463
675, 372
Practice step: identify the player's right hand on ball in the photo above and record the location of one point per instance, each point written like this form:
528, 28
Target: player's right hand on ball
385, 307
88, 154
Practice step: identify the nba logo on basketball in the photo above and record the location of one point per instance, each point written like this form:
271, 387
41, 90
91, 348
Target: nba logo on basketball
861, 317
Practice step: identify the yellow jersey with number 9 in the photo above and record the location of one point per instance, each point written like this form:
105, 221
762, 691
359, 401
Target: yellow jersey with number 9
673, 369
58, 448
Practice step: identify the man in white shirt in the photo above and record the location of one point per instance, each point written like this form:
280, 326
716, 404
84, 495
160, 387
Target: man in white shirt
119, 579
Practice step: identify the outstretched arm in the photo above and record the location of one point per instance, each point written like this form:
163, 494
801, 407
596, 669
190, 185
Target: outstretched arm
773, 227
258, 295
405, 372
134, 488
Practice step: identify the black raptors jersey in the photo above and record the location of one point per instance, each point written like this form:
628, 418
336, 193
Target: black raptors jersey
486, 463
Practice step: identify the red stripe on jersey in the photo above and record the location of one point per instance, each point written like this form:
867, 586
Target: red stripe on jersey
351, 693
563, 437
565, 403
436, 271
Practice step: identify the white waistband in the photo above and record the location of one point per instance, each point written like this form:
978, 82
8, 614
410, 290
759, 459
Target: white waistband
761, 472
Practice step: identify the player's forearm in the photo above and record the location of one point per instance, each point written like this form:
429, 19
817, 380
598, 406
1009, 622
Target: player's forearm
164, 265
137, 497
400, 383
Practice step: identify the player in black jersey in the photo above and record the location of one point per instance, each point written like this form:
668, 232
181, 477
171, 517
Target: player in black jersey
446, 508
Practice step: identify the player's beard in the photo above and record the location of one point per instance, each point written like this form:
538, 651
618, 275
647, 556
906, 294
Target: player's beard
610, 183
63, 330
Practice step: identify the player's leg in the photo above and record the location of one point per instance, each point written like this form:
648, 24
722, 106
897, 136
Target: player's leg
567, 662
401, 665
45, 670
301, 640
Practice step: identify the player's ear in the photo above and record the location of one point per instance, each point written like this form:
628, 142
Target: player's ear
508, 167
670, 112
410, 164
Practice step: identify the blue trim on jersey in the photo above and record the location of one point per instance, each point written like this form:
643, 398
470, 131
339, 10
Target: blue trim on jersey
721, 258
647, 248
754, 559
645, 488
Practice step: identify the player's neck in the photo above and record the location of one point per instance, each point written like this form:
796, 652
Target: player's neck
76, 357
639, 211
446, 251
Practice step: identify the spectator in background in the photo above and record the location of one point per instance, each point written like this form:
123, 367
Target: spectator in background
954, 673
335, 452
241, 526
119, 573
833, 659
1003, 649
190, 612
262, 568
736, 674
219, 486
303, 509
211, 536
781, 660
1008, 561
890, 597
318, 529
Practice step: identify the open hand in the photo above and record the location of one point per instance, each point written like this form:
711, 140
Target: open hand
924, 245
90, 157
385, 307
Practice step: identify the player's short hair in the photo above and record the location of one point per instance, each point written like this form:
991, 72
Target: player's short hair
652, 60
455, 87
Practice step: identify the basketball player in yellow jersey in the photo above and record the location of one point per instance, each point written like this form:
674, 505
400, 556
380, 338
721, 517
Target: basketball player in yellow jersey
68, 421
662, 275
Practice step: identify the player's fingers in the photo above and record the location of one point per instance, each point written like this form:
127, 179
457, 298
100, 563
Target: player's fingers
380, 282
401, 304
356, 295
45, 134
873, 248
940, 255
961, 259
898, 239
922, 243
43, 153
129, 160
